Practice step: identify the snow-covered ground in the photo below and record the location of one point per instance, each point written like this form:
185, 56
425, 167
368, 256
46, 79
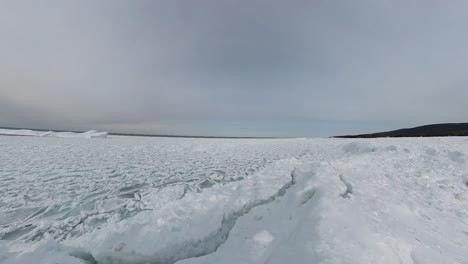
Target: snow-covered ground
166, 200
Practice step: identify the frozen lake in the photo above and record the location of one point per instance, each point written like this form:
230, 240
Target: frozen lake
167, 200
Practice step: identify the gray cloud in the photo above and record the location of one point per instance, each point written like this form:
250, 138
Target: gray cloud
233, 67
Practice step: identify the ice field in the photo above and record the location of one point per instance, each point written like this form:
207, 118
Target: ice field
139, 200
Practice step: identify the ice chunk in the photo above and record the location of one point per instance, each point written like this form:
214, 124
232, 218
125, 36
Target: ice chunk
358, 148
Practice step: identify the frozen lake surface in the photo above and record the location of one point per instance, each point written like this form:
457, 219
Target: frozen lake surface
180, 200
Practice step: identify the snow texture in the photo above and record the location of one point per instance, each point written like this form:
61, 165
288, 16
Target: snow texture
166, 200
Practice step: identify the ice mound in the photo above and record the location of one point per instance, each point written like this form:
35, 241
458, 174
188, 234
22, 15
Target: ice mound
34, 133
399, 209
358, 148
179, 228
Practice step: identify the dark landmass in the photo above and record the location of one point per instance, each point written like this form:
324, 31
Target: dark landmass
436, 130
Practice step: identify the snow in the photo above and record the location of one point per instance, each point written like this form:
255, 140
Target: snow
34, 133
167, 200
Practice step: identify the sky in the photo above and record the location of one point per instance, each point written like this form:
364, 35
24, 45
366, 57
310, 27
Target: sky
233, 67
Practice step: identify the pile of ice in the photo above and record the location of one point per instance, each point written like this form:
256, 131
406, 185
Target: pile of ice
35, 133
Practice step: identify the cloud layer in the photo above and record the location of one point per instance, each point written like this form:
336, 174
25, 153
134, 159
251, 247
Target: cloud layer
219, 67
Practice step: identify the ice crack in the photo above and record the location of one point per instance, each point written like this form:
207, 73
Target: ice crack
349, 187
212, 242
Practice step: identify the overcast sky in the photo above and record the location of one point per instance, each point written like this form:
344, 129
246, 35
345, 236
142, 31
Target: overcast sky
237, 68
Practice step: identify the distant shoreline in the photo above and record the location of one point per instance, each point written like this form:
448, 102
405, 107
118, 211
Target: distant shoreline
434, 130
139, 135
10, 135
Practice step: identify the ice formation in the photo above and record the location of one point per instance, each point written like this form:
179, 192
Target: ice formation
161, 200
35, 133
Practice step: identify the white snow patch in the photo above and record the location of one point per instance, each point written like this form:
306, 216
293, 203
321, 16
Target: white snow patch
263, 238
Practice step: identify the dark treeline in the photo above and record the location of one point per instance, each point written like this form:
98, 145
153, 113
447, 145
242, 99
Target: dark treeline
436, 130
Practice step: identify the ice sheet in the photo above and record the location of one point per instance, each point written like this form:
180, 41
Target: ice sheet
163, 200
